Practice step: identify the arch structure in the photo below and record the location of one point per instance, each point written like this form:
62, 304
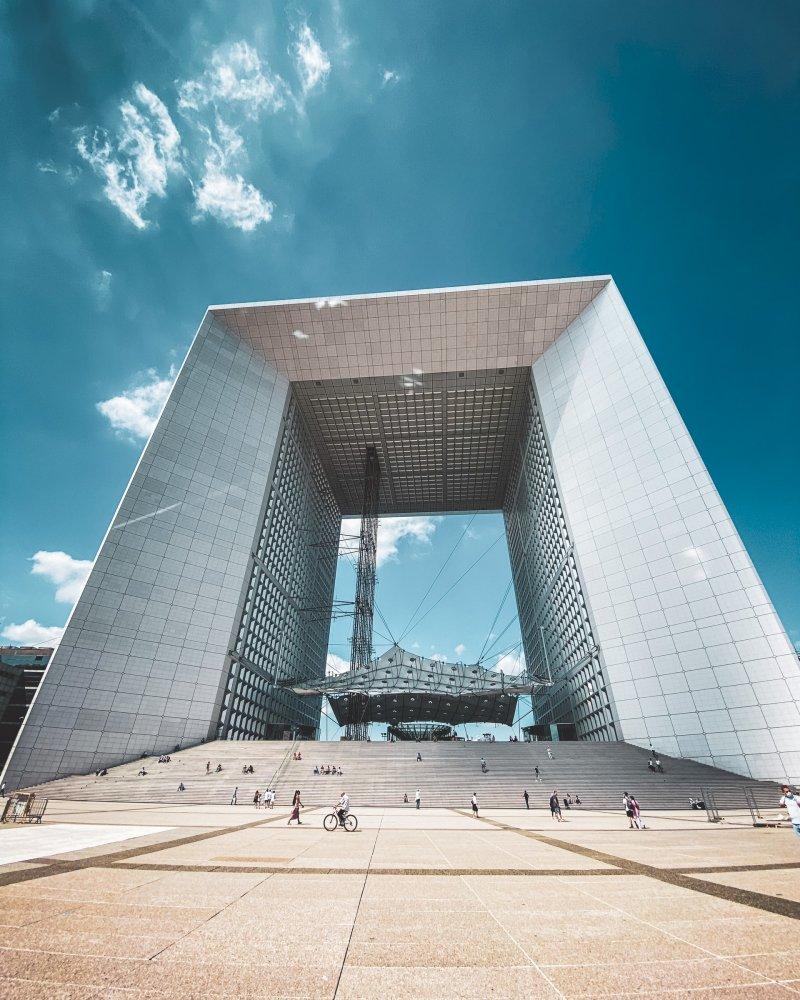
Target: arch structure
213, 585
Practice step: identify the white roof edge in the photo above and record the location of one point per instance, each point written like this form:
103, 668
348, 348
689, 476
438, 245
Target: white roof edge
412, 291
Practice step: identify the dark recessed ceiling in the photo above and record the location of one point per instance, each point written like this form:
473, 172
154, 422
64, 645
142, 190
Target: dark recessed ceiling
444, 441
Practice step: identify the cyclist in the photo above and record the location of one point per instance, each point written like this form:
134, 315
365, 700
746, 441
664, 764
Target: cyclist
343, 807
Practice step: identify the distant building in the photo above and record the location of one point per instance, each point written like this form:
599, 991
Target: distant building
21, 671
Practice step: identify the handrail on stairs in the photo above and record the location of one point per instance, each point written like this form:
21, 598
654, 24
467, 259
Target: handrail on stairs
273, 781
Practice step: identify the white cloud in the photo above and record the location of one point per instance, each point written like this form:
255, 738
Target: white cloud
68, 575
230, 198
46, 167
224, 194
31, 633
389, 76
311, 59
438, 656
460, 649
136, 164
238, 78
134, 413
391, 531
511, 663
335, 664
333, 302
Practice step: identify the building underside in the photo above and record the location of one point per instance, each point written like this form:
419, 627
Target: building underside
211, 594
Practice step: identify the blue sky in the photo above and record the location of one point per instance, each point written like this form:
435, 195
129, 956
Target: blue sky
161, 157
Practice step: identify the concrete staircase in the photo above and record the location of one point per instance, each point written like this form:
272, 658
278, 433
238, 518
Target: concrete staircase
378, 774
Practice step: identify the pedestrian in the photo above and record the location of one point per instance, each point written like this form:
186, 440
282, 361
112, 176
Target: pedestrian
181, 787
626, 805
235, 796
637, 813
566, 802
791, 804
419, 756
208, 767
555, 808
474, 805
549, 754
659, 768
536, 772
257, 799
272, 798
577, 800
525, 796
297, 805
417, 798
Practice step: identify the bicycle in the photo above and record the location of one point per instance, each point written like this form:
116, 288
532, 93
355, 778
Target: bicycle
332, 821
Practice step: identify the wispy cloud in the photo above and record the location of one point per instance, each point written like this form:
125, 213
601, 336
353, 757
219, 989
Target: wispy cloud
101, 285
391, 532
68, 575
136, 163
236, 77
389, 76
222, 192
133, 414
336, 665
311, 60
460, 649
511, 663
230, 198
31, 633
46, 167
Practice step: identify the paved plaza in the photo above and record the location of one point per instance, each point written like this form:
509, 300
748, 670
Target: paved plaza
229, 900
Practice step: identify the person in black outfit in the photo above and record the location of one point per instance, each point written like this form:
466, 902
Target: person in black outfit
525, 796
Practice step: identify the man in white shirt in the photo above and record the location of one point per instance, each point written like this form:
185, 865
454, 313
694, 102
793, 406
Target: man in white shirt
791, 804
417, 798
343, 808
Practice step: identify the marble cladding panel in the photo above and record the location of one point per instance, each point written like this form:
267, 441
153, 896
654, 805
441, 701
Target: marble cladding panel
698, 661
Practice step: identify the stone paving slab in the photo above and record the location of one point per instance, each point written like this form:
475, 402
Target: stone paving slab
445, 906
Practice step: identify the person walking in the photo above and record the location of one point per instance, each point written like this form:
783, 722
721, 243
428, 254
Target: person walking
208, 767
526, 797
257, 799
536, 772
417, 798
637, 813
549, 754
555, 808
297, 805
791, 804
626, 805
474, 805
235, 796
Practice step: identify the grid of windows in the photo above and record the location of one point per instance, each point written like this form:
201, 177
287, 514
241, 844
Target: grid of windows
283, 632
443, 441
556, 629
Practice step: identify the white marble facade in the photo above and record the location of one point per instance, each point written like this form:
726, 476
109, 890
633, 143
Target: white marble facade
698, 662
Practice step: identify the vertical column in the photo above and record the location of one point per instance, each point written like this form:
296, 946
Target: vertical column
144, 656
698, 663
361, 649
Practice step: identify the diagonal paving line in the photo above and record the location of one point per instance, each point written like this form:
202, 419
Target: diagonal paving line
728, 959
358, 908
759, 900
107, 860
